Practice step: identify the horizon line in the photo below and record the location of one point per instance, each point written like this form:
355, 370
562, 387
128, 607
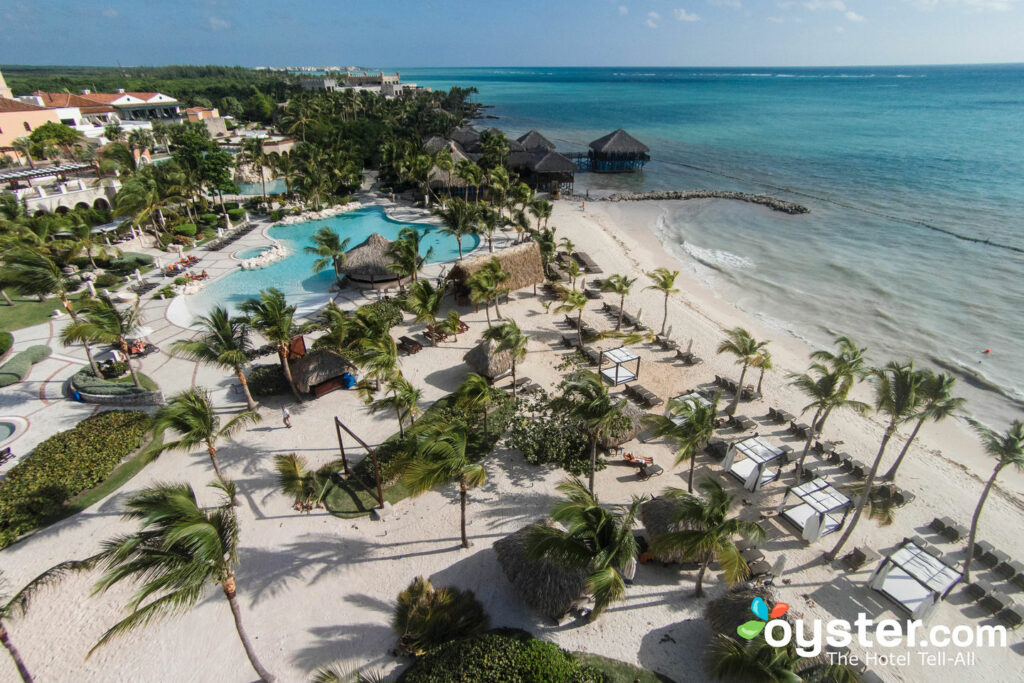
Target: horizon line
534, 66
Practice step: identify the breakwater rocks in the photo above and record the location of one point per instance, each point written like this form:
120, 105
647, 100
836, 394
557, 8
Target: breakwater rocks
317, 215
265, 258
762, 199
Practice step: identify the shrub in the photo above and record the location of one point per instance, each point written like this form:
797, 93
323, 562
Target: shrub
106, 280
113, 369
547, 437
130, 260
231, 206
426, 617
267, 380
85, 381
389, 311
209, 218
165, 292
236, 214
17, 368
184, 240
181, 280
35, 490
83, 261
6, 341
502, 655
277, 214
187, 229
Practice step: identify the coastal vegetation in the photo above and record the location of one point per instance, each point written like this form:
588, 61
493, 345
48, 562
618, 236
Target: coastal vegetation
426, 617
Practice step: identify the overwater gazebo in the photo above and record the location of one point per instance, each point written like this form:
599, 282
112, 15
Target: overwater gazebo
819, 509
618, 152
754, 461
535, 142
369, 264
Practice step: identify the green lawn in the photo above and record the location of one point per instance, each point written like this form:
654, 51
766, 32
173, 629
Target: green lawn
147, 383
28, 311
619, 672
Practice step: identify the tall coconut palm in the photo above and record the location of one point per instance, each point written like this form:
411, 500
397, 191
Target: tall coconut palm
223, 342
594, 538
706, 532
541, 210
848, 362
1008, 450
252, 152
439, 458
511, 339
488, 221
665, 282
482, 290
87, 241
190, 415
497, 276
402, 397
897, 396
939, 403
286, 169
179, 550
101, 322
475, 393
459, 218
331, 249
755, 661
377, 356
825, 392
573, 270
500, 184
574, 301
586, 398
763, 363
423, 301
472, 174
406, 254
689, 425
294, 478
618, 284
741, 344
36, 274
271, 316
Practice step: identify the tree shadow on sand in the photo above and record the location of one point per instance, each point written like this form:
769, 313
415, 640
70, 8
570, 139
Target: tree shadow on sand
677, 648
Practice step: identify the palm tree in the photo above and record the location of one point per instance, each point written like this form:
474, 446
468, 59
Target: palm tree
741, 344
665, 282
706, 532
178, 551
488, 218
849, 363
440, 457
450, 325
285, 167
497, 276
482, 290
689, 425
191, 415
586, 398
897, 395
458, 216
402, 399
426, 617
509, 338
224, 342
1007, 449
825, 392
423, 301
101, 322
500, 183
475, 393
541, 210
594, 538
755, 661
406, 253
35, 273
472, 174
377, 356
574, 301
939, 403
23, 146
271, 316
763, 362
86, 240
330, 248
295, 479
252, 151
573, 270
619, 284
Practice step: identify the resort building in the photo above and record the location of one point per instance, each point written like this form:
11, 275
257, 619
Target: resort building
18, 119
138, 106
322, 83
74, 110
534, 158
210, 118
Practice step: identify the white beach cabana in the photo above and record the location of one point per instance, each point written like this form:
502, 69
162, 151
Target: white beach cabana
819, 510
693, 399
618, 373
914, 580
753, 461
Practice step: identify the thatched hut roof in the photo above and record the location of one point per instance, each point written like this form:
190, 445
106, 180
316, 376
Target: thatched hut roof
733, 608
466, 136
619, 142
635, 415
439, 178
546, 587
369, 262
317, 367
521, 261
658, 518
486, 360
515, 146
521, 159
534, 141
553, 162
435, 144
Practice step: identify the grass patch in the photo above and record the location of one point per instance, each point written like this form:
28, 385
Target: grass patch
615, 671
349, 499
145, 380
28, 311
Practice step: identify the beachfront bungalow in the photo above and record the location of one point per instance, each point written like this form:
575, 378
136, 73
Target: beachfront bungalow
369, 264
618, 152
914, 579
819, 509
521, 261
754, 461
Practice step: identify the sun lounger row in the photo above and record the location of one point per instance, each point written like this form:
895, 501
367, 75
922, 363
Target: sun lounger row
948, 529
995, 602
802, 429
409, 345
570, 341
586, 262
592, 293
643, 396
1001, 564
631, 320
858, 557
689, 357
666, 343
741, 422
779, 416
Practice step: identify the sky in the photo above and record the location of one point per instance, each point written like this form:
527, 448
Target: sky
425, 33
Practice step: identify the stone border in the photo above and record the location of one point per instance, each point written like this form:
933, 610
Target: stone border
130, 398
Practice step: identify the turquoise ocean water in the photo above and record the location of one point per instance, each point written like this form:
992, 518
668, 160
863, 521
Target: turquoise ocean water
890, 160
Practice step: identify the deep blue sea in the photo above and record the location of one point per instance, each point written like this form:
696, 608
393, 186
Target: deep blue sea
881, 156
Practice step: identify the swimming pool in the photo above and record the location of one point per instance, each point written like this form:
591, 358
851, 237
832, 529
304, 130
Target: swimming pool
274, 186
249, 253
294, 275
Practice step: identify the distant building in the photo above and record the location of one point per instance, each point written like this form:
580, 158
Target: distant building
321, 83
195, 114
74, 110
138, 106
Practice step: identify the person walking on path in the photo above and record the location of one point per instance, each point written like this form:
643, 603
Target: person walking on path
287, 417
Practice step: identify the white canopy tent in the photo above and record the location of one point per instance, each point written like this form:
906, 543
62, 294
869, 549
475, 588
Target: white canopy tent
692, 399
914, 580
752, 460
618, 373
820, 510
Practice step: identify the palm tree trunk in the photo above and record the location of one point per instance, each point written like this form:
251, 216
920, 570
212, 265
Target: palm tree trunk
282, 354
229, 592
622, 303
693, 466
593, 461
664, 319
458, 238
807, 446
759, 380
135, 377
891, 474
731, 410
487, 310
263, 180
212, 450
85, 344
249, 402
7, 299
863, 498
699, 592
462, 506
513, 379
579, 327
15, 655
974, 521
497, 311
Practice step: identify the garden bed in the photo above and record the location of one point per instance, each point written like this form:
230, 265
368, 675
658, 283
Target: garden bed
117, 391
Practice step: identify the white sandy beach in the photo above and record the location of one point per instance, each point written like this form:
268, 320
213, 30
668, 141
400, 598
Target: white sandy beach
315, 589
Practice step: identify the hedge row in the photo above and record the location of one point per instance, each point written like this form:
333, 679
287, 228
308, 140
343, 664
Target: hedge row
236, 214
84, 381
186, 229
35, 490
6, 341
16, 369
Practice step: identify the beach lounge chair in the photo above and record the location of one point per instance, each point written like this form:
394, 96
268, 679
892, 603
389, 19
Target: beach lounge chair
752, 555
742, 422
978, 589
956, 532
938, 524
1008, 569
1012, 616
994, 558
858, 470
570, 341
592, 293
859, 556
803, 430
409, 345
6, 455
982, 547
570, 321
996, 602
1018, 581
593, 355
531, 388
902, 497
760, 568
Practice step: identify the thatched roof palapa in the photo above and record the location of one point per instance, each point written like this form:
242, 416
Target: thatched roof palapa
486, 360
619, 142
635, 415
658, 518
534, 141
515, 146
553, 162
732, 609
521, 261
317, 367
548, 588
368, 263
466, 136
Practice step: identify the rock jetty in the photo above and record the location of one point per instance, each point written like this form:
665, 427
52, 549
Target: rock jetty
265, 258
762, 199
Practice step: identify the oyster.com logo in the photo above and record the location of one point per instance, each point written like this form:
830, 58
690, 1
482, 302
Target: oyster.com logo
759, 607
